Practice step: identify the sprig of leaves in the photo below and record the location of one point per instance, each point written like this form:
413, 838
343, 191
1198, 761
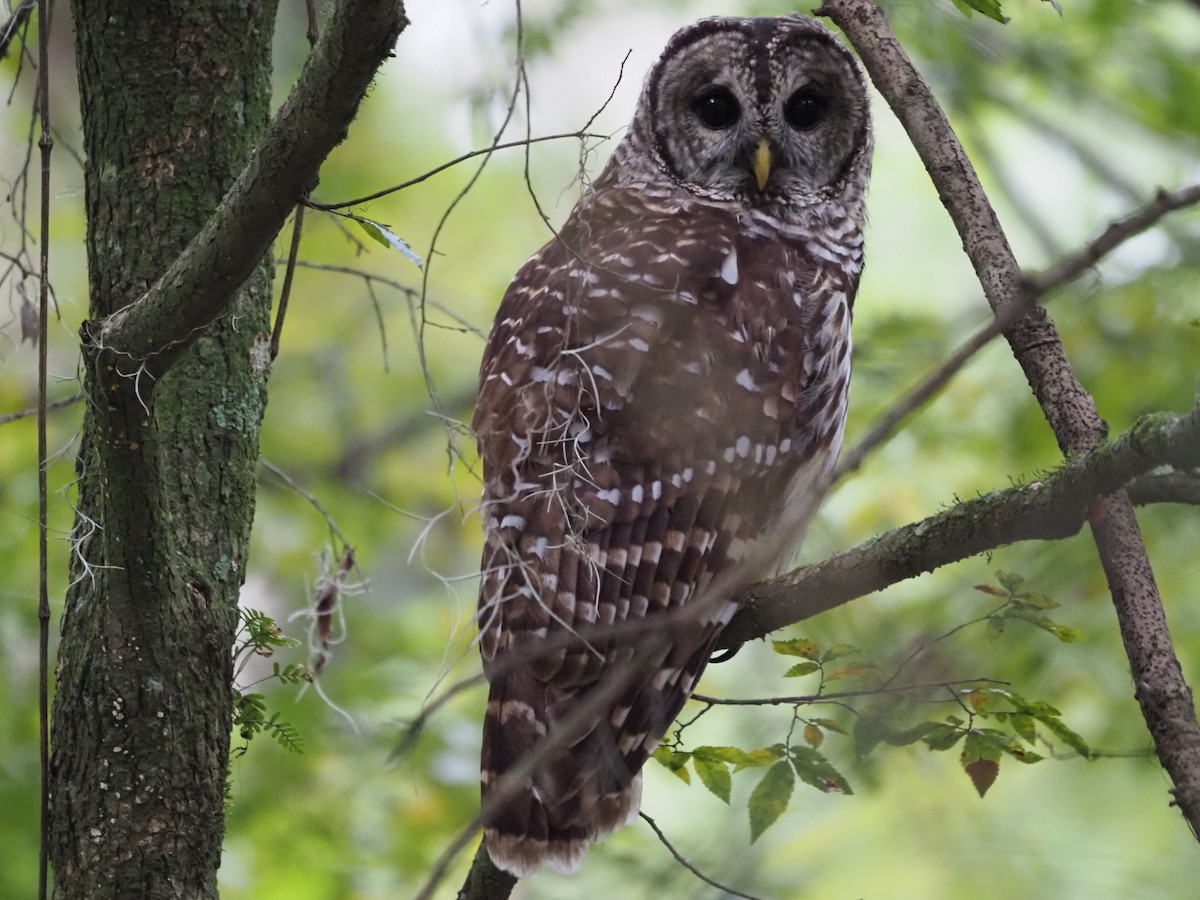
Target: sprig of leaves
716, 766
259, 635
1023, 605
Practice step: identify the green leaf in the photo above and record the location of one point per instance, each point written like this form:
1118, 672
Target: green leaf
1033, 617
797, 647
800, 669
734, 755
757, 758
1039, 601
838, 651
869, 729
770, 798
813, 768
713, 775
1059, 729
675, 761
943, 737
829, 725
1010, 581
912, 735
1022, 724
381, 234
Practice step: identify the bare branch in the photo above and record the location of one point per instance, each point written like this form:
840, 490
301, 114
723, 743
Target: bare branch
1112, 237
33, 410
160, 325
313, 501
289, 273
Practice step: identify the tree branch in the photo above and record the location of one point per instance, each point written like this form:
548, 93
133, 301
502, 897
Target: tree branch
1051, 509
159, 326
1113, 236
1162, 692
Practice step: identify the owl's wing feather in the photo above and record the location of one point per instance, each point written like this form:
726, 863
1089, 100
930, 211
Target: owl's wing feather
641, 393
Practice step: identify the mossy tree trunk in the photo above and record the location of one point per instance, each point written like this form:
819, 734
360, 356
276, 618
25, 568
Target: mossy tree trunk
174, 95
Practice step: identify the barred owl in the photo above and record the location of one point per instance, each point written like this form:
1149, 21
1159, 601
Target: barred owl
663, 379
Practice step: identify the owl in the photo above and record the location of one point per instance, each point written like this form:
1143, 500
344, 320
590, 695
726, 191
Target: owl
664, 379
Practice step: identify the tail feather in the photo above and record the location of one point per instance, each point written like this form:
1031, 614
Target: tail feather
582, 793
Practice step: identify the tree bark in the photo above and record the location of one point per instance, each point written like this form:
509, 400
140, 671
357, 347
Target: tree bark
174, 95
182, 206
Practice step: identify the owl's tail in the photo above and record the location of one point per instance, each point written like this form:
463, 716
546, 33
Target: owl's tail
548, 813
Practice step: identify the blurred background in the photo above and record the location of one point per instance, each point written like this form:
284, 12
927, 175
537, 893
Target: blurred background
1071, 121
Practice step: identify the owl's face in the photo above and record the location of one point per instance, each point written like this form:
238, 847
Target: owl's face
754, 110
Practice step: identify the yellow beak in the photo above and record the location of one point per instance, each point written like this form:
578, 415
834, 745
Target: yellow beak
762, 164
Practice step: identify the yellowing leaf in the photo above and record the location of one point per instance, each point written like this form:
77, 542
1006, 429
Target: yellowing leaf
797, 647
813, 736
381, 234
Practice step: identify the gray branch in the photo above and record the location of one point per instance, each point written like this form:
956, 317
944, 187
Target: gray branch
156, 328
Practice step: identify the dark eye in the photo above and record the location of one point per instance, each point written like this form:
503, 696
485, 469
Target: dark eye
716, 107
804, 109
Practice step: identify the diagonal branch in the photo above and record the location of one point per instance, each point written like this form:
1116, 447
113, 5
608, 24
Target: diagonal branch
1163, 694
159, 326
1051, 509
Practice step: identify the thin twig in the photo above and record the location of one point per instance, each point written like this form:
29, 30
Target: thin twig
1113, 236
46, 144
34, 410
687, 865
15, 22
802, 699
483, 151
288, 274
411, 293
313, 501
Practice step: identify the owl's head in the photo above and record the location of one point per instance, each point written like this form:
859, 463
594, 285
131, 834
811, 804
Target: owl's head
755, 110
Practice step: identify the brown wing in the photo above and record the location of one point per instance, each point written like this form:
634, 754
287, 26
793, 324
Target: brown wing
652, 386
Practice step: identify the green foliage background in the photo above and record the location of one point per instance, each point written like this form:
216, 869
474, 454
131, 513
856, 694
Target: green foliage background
1071, 120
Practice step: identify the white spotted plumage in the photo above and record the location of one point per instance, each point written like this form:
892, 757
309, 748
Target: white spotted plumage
664, 378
